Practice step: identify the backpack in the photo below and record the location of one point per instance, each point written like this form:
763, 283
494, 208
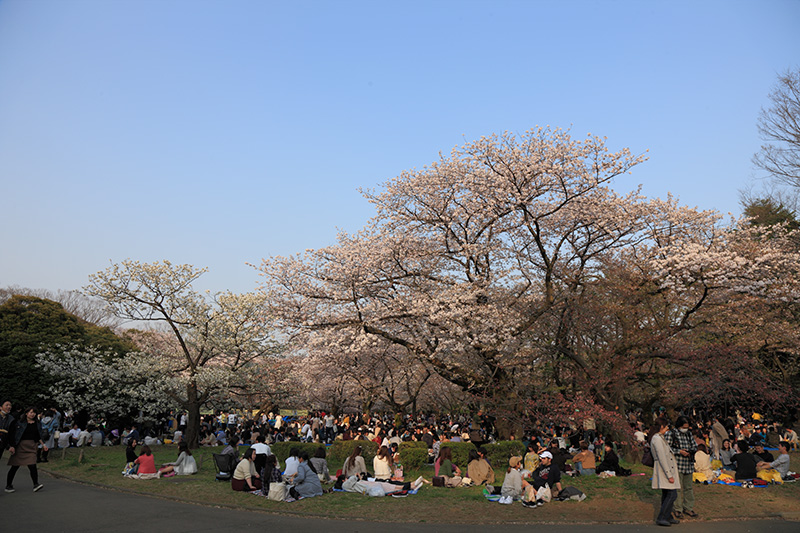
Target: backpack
647, 458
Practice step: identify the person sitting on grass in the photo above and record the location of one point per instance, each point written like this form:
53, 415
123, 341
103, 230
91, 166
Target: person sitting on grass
147, 464
245, 477
270, 473
514, 487
450, 472
130, 451
292, 463
185, 465
382, 464
320, 465
790, 436
610, 462
761, 455
354, 465
306, 481
479, 470
725, 455
232, 448
207, 438
702, 465
584, 461
548, 474
531, 458
781, 464
744, 462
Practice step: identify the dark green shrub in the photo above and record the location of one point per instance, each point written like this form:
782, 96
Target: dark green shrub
342, 449
460, 451
500, 452
413, 444
413, 457
281, 449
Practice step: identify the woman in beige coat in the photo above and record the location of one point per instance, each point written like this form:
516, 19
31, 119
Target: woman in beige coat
665, 472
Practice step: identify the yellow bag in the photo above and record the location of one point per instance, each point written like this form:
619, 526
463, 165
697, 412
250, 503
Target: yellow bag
770, 475
716, 464
699, 477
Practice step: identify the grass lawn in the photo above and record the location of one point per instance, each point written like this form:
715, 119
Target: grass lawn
608, 500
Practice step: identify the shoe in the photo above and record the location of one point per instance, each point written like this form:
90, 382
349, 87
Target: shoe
691, 514
678, 514
38, 487
674, 521
664, 523
529, 505
539, 503
10, 489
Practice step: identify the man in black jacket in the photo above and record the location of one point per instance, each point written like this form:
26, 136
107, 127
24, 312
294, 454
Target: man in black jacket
7, 426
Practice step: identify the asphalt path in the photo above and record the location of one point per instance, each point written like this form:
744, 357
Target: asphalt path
67, 506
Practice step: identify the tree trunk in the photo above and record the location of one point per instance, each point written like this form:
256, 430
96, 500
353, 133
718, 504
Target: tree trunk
505, 403
193, 423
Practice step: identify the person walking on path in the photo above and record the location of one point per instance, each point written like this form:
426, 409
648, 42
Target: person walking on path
665, 472
6, 426
683, 447
27, 438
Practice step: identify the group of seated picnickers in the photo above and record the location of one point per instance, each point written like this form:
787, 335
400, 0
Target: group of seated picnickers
747, 463
143, 464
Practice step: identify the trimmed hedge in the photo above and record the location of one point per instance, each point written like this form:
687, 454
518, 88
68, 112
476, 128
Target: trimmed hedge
281, 449
341, 450
413, 454
460, 451
500, 452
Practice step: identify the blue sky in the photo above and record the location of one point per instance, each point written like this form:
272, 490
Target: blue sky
217, 133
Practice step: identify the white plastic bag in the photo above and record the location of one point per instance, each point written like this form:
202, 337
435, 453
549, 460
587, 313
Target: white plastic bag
544, 494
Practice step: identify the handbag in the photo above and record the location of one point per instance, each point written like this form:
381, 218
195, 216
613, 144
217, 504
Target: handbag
647, 458
438, 481
277, 491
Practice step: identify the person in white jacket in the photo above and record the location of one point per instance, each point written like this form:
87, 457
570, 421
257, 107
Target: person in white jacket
665, 472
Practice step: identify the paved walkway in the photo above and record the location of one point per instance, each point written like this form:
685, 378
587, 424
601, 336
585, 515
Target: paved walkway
66, 506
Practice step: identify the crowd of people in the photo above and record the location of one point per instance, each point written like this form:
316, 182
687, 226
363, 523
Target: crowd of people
701, 449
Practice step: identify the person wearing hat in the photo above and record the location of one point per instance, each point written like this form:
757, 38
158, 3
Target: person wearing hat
547, 474
514, 487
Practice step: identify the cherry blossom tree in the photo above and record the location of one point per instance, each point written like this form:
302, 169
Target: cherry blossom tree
470, 262
513, 270
214, 343
104, 384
